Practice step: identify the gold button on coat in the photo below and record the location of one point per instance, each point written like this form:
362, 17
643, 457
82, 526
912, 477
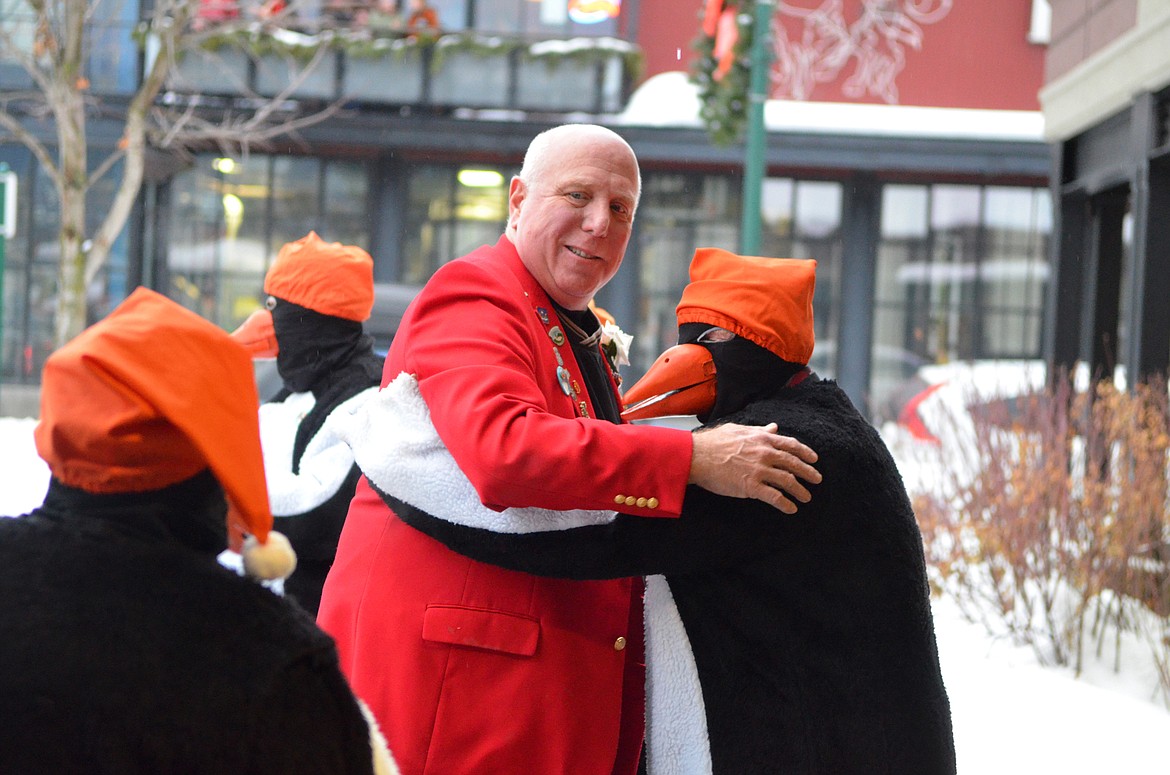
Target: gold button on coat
619, 499
631, 500
652, 503
619, 644
642, 503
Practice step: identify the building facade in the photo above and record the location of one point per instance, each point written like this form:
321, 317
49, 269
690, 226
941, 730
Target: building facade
904, 152
1106, 102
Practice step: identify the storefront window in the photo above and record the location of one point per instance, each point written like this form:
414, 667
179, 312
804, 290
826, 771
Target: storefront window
198, 228
802, 219
903, 242
232, 216
345, 211
112, 51
961, 273
16, 300
1015, 271
451, 210
481, 207
1125, 301
295, 197
428, 210
32, 265
776, 213
818, 236
950, 275
677, 213
537, 18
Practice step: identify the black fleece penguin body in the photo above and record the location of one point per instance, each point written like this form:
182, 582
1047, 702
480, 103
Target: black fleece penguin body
128, 649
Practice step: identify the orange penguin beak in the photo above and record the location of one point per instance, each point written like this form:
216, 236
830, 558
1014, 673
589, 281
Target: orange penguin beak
258, 335
681, 381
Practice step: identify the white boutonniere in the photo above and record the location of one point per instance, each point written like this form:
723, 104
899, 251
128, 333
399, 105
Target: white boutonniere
615, 343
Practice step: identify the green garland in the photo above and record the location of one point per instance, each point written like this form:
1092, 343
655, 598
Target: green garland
252, 38
597, 49
258, 40
724, 105
469, 43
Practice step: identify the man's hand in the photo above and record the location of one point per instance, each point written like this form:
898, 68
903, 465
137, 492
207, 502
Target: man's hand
751, 461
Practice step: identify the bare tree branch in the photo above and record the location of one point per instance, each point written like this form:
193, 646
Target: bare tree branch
27, 59
30, 141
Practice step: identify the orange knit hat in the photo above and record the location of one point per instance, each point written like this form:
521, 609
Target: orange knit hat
765, 300
326, 277
150, 396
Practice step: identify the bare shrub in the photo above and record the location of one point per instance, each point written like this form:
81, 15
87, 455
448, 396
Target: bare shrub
1050, 520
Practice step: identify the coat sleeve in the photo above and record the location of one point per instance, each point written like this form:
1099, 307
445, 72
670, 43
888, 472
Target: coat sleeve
486, 372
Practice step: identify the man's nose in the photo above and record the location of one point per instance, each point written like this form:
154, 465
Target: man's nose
597, 218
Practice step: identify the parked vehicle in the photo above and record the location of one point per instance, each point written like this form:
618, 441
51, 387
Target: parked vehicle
944, 397
933, 432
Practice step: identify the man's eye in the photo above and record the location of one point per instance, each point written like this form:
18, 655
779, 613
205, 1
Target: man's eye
715, 334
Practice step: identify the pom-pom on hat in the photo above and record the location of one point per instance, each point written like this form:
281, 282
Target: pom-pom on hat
150, 396
765, 300
326, 277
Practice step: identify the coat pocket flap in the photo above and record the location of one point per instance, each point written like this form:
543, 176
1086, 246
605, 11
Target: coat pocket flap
482, 629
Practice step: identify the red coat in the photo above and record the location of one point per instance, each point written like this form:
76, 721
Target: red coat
470, 668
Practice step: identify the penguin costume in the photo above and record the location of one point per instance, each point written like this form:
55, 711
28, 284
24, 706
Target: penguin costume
128, 648
797, 644
319, 293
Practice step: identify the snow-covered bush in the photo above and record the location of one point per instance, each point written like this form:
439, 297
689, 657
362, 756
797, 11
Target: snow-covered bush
1062, 537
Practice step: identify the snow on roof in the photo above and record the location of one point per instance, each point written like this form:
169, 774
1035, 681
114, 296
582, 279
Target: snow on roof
559, 46
670, 99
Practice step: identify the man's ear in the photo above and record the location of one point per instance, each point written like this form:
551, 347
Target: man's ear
517, 191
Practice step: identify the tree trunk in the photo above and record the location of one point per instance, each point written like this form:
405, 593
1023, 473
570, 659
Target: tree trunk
68, 104
71, 307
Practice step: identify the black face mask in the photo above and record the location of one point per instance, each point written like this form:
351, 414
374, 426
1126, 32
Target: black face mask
200, 522
192, 511
744, 371
312, 345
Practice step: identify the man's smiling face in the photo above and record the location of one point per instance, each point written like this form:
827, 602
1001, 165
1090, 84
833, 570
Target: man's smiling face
571, 221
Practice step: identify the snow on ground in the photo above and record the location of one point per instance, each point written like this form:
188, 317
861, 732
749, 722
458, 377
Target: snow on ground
24, 477
1011, 715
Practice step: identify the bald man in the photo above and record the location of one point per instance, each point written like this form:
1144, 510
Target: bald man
471, 668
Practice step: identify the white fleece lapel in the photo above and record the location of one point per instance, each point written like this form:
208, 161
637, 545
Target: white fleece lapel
396, 446
676, 718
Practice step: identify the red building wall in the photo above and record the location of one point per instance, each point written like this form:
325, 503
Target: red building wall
975, 56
